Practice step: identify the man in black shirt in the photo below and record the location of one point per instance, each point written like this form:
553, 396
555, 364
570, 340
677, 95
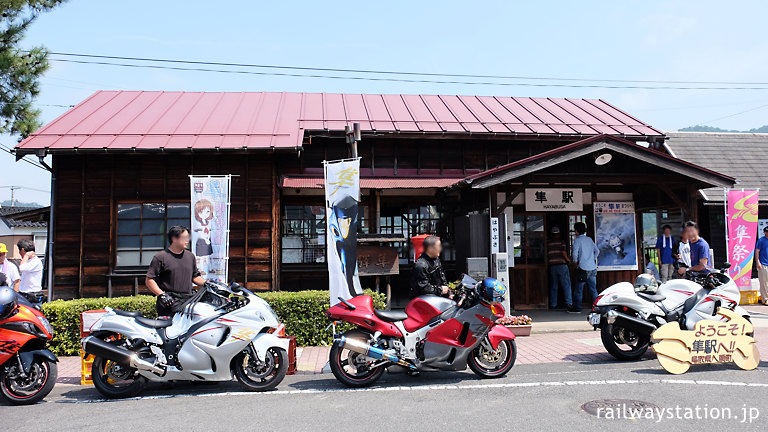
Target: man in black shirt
172, 273
427, 276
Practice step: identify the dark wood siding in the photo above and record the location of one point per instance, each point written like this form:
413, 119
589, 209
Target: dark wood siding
88, 188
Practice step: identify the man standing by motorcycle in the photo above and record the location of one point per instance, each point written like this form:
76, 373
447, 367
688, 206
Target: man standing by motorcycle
584, 254
427, 276
699, 249
172, 273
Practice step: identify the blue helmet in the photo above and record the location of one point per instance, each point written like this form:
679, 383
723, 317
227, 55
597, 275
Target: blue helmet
491, 290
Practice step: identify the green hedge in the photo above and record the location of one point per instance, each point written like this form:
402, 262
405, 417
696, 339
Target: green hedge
302, 312
64, 316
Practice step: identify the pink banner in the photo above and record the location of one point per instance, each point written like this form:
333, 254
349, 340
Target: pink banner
742, 234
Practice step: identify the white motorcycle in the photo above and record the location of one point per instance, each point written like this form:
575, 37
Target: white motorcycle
222, 331
627, 315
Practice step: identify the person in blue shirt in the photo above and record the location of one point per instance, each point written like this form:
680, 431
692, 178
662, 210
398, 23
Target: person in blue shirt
585, 256
664, 250
761, 258
699, 249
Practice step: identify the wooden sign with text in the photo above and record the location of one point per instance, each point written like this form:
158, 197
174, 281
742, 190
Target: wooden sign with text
377, 261
710, 341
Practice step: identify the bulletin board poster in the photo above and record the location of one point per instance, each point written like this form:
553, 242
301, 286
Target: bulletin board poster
615, 235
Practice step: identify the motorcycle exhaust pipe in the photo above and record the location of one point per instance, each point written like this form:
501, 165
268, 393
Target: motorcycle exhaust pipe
361, 347
630, 322
120, 355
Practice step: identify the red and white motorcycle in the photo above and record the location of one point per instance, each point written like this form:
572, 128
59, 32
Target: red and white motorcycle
433, 333
627, 314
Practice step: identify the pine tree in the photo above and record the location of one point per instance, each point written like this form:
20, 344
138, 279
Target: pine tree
20, 69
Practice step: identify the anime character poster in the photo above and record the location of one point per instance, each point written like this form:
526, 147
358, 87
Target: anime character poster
615, 235
342, 193
742, 235
210, 225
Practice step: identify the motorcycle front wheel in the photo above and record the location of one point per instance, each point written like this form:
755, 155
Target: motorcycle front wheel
29, 389
257, 375
353, 369
486, 362
622, 343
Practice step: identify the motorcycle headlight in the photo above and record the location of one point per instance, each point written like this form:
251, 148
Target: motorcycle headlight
46, 325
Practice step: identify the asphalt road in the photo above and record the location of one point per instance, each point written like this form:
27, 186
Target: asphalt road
531, 398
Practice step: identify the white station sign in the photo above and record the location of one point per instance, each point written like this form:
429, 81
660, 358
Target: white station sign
554, 199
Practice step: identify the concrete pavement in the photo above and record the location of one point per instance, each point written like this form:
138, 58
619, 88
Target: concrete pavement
535, 397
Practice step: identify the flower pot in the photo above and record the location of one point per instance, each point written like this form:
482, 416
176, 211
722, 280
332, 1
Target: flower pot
520, 330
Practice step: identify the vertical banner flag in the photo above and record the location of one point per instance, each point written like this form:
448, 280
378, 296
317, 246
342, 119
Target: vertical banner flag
210, 225
342, 193
742, 235
615, 235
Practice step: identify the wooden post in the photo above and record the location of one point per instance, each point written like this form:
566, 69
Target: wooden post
81, 270
275, 232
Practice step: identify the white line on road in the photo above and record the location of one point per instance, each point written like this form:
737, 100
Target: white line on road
433, 387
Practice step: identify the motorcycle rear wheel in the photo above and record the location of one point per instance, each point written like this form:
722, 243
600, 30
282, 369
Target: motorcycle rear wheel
493, 364
613, 337
346, 367
26, 391
261, 376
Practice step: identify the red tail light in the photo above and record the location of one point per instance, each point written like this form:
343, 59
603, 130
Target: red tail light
598, 299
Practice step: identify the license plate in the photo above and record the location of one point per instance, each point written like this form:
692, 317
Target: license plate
594, 319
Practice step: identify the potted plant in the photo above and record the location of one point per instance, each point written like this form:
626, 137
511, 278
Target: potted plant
519, 324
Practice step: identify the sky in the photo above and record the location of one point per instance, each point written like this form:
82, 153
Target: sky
606, 40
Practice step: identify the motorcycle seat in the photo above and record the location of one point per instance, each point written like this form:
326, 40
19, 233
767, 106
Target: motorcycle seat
391, 315
131, 314
152, 323
652, 297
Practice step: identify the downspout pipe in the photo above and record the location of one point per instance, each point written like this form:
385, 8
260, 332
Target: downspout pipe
49, 250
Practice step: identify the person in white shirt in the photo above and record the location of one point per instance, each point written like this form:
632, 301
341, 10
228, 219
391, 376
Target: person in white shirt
31, 267
9, 269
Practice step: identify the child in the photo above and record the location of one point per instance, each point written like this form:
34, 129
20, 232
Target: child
651, 267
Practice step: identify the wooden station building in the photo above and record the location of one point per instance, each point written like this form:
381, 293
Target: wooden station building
121, 161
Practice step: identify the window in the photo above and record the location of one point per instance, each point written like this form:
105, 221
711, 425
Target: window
528, 235
418, 220
142, 228
303, 233
303, 236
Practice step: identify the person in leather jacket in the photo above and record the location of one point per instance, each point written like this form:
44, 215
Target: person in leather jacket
427, 276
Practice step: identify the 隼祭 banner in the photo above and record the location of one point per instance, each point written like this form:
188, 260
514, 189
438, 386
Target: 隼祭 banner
342, 193
615, 235
210, 225
742, 235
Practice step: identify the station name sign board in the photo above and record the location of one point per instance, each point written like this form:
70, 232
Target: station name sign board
554, 199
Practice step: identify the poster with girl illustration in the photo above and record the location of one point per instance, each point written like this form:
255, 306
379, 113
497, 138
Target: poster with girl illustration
210, 225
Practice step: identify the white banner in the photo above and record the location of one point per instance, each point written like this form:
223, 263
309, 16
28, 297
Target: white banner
554, 199
210, 225
342, 193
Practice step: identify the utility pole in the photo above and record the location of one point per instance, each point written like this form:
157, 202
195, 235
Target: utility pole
13, 194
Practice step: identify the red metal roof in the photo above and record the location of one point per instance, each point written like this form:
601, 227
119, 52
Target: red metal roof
564, 150
143, 120
373, 182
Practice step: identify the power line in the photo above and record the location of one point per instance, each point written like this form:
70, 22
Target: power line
7, 150
389, 72
420, 81
735, 114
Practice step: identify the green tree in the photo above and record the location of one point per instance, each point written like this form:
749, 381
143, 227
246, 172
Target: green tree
20, 69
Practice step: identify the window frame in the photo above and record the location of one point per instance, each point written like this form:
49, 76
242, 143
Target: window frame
140, 249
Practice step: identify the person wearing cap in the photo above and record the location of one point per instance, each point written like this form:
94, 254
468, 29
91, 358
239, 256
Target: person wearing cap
559, 276
761, 258
8, 268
